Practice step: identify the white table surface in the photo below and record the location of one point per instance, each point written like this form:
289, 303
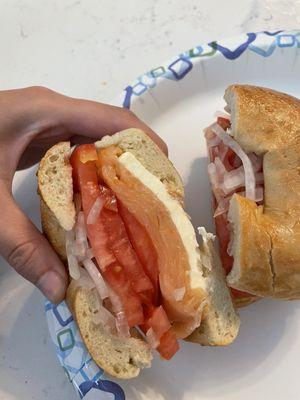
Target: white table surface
93, 49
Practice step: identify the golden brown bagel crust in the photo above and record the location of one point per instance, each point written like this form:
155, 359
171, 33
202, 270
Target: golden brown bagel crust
262, 119
266, 239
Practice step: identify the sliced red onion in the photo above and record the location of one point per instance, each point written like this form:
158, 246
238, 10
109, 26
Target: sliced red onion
74, 269
236, 162
122, 325
233, 180
95, 211
259, 178
259, 194
85, 280
179, 293
256, 161
223, 149
104, 317
121, 320
81, 237
97, 278
215, 181
220, 168
89, 253
115, 300
222, 114
249, 173
223, 206
212, 174
211, 138
152, 339
101, 315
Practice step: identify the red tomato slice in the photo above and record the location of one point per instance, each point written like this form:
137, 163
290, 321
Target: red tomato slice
86, 179
168, 345
117, 279
159, 322
124, 252
143, 247
110, 200
157, 319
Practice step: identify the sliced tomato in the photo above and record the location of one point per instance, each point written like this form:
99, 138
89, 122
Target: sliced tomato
86, 179
124, 252
168, 345
85, 173
159, 322
143, 247
117, 279
110, 200
157, 319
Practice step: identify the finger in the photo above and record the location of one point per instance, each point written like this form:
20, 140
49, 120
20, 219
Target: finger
28, 252
89, 118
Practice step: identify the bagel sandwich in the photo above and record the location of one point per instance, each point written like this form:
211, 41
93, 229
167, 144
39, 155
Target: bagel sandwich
139, 281
254, 153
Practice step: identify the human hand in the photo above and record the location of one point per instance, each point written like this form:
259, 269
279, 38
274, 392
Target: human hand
31, 121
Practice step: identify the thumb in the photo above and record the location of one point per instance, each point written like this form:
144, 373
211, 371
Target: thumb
28, 252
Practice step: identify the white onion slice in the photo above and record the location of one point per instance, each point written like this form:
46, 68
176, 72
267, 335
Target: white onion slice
115, 300
259, 194
101, 315
211, 138
85, 280
212, 174
223, 206
97, 278
179, 293
104, 317
122, 325
152, 339
74, 269
89, 253
81, 237
220, 169
249, 173
95, 211
121, 320
233, 180
222, 114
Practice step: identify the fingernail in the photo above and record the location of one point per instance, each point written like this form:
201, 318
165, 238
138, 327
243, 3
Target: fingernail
53, 286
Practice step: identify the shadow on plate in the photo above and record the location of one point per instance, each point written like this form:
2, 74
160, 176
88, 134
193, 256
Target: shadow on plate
266, 332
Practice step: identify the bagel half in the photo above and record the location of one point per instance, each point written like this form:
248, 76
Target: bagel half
220, 322
265, 236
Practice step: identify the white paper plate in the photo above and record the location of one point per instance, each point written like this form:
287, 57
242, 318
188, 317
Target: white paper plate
178, 99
